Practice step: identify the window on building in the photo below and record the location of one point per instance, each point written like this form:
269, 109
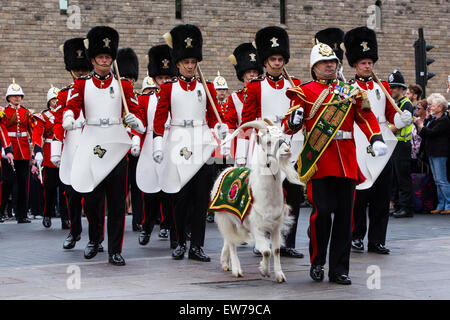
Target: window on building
63, 6
177, 9
283, 11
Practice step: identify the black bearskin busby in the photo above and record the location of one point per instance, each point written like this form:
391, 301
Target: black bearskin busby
102, 39
186, 41
75, 57
244, 58
160, 62
360, 43
332, 37
128, 63
270, 41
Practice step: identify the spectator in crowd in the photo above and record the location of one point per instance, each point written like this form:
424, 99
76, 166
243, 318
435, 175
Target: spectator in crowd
414, 93
420, 112
436, 137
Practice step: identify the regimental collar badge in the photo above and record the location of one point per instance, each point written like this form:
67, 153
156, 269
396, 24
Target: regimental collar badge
184, 152
107, 42
325, 50
252, 57
364, 45
275, 42
188, 41
165, 63
79, 54
99, 151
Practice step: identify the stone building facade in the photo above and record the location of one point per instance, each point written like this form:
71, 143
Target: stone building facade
32, 31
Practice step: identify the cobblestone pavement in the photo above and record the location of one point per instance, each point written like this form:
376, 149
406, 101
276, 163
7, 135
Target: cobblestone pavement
33, 265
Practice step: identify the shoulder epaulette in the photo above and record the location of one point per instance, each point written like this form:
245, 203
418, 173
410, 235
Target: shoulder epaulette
351, 81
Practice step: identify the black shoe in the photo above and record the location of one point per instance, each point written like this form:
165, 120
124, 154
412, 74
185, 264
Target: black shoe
256, 252
179, 251
316, 272
210, 217
196, 253
47, 222
65, 224
136, 227
378, 248
100, 248
341, 279
357, 245
164, 233
1, 219
144, 238
403, 214
116, 259
91, 250
291, 252
70, 241
23, 220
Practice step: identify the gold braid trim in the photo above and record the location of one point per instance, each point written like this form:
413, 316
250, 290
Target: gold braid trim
318, 103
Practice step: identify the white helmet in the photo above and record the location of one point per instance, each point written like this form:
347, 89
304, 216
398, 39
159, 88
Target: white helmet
148, 83
14, 90
220, 82
52, 93
320, 52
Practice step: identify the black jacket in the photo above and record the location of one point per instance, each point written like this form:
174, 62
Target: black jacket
436, 137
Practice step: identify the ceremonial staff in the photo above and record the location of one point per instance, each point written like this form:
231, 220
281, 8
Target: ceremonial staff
288, 77
124, 100
211, 101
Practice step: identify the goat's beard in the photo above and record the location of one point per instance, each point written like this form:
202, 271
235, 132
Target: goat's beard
289, 170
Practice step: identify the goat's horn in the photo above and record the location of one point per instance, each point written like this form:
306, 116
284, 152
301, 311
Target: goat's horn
269, 122
257, 124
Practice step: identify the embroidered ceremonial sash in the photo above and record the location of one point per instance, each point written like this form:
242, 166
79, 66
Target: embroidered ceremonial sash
323, 131
233, 195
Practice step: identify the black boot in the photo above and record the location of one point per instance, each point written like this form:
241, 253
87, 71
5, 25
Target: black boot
47, 222
196, 253
91, 250
179, 251
144, 238
70, 241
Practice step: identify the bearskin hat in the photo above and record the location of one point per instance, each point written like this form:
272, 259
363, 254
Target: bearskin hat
270, 41
332, 37
186, 41
128, 63
160, 61
75, 57
360, 43
244, 58
100, 40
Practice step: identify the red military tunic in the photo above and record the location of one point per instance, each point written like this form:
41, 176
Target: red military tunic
43, 133
76, 100
235, 105
59, 111
143, 100
164, 104
339, 158
228, 115
4, 138
19, 124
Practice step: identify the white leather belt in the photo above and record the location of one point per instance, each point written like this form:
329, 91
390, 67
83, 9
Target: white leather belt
187, 123
275, 118
103, 122
341, 135
17, 134
48, 140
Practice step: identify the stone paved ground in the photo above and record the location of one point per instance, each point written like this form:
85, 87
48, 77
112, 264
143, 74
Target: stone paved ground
33, 265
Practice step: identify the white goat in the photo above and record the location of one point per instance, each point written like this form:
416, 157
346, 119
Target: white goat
269, 212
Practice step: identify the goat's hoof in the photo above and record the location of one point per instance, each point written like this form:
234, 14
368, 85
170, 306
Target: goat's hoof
226, 268
281, 278
238, 275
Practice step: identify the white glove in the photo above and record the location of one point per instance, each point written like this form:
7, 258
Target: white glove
55, 152
68, 120
225, 148
158, 155
134, 123
38, 157
379, 148
296, 117
221, 130
241, 152
136, 146
3, 153
403, 120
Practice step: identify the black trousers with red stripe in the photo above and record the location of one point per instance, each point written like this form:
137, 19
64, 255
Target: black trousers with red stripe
53, 187
331, 195
373, 202
157, 205
294, 197
191, 204
114, 187
74, 206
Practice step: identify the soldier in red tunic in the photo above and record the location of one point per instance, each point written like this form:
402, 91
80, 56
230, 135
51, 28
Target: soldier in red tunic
100, 166
41, 142
327, 162
265, 98
18, 122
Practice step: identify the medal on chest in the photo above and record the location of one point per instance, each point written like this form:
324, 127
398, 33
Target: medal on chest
378, 94
199, 95
111, 92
